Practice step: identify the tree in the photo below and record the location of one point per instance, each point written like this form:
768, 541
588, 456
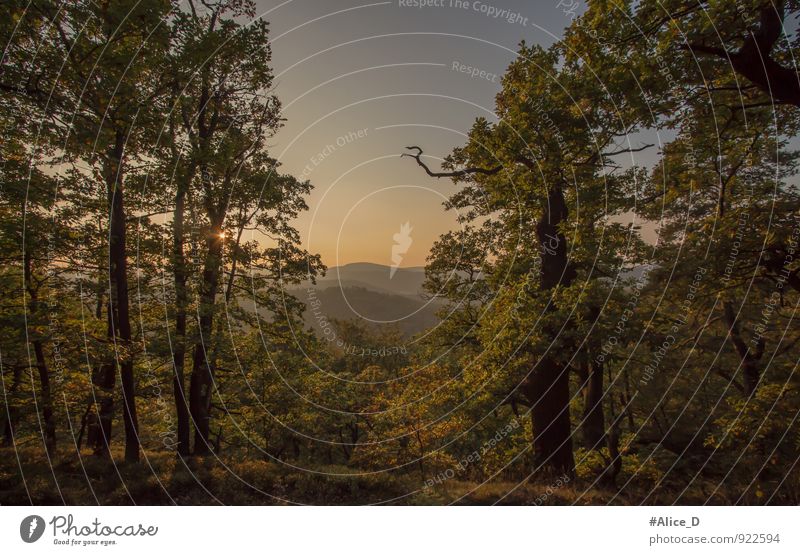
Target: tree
223, 112
101, 65
551, 149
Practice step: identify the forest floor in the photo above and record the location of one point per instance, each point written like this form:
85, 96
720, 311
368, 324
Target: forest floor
28, 477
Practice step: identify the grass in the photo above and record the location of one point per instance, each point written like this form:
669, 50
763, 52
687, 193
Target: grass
27, 477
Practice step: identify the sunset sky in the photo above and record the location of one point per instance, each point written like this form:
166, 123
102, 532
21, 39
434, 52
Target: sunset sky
361, 80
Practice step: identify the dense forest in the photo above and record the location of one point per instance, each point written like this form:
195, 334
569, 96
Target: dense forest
155, 343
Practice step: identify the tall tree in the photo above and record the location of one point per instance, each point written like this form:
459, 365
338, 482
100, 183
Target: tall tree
551, 150
226, 111
104, 65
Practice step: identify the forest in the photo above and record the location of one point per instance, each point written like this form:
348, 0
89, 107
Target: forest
155, 343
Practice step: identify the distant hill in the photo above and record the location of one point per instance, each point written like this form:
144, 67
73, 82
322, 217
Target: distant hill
376, 277
370, 294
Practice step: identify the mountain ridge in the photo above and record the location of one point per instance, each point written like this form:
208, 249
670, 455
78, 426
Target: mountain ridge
406, 282
371, 293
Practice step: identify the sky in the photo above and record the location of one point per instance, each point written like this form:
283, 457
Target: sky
360, 80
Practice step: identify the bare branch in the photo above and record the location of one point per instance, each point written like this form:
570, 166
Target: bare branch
458, 173
628, 150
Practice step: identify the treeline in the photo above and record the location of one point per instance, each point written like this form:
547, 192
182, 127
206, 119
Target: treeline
147, 245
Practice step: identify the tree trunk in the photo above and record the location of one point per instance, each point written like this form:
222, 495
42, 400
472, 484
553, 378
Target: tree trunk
547, 386
84, 423
612, 470
120, 313
181, 301
11, 413
101, 421
548, 392
593, 427
49, 427
202, 373
750, 357
47, 398
100, 406
227, 296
